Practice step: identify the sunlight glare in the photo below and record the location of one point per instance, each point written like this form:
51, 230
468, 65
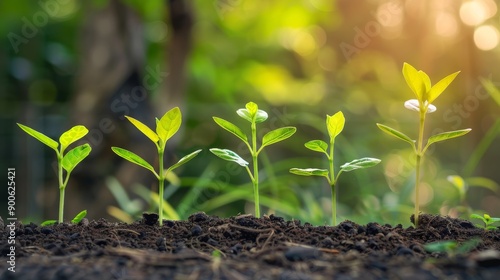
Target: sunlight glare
486, 37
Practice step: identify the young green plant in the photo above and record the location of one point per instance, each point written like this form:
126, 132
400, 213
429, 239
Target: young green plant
334, 125
166, 127
65, 162
487, 220
254, 115
78, 218
420, 83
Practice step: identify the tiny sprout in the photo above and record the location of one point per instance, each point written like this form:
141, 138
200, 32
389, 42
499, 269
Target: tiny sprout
487, 220
335, 125
451, 247
66, 161
420, 83
166, 127
254, 115
78, 218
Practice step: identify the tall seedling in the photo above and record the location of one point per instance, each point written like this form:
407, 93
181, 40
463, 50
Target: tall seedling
334, 125
166, 127
420, 83
253, 115
66, 162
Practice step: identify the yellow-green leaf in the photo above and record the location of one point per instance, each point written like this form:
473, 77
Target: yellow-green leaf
72, 135
438, 88
414, 81
170, 122
277, 135
231, 128
397, 134
359, 164
335, 124
79, 217
184, 160
317, 145
40, 136
446, 135
72, 158
144, 129
134, 158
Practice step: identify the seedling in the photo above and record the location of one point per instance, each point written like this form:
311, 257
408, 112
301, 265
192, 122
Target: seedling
253, 115
66, 161
334, 125
451, 247
166, 127
78, 218
487, 220
420, 83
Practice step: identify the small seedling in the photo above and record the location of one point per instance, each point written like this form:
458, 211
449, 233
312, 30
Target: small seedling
451, 247
66, 161
166, 127
420, 83
334, 125
78, 218
253, 115
487, 220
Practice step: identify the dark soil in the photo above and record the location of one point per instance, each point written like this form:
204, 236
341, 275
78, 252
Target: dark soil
245, 247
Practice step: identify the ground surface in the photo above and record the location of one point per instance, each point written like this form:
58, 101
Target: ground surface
248, 248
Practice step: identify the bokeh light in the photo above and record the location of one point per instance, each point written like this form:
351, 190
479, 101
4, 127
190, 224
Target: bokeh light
486, 37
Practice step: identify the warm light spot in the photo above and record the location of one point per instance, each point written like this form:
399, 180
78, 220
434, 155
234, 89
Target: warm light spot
390, 14
446, 25
426, 194
473, 12
300, 41
327, 59
486, 37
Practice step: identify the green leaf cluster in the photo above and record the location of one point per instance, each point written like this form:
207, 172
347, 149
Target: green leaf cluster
487, 220
253, 115
67, 161
335, 125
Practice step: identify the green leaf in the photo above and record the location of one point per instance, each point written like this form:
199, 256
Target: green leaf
309, 172
359, 164
144, 129
317, 146
170, 122
252, 108
397, 134
476, 216
277, 135
184, 160
252, 113
40, 137
441, 246
72, 158
48, 223
414, 81
446, 135
426, 80
335, 124
78, 218
128, 155
72, 135
438, 88
231, 128
229, 156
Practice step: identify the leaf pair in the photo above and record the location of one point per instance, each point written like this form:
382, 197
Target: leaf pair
420, 83
433, 139
72, 158
346, 167
166, 127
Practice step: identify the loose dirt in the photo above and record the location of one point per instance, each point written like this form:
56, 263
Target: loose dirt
245, 247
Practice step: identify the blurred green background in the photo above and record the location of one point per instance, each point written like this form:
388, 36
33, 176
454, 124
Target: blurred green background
68, 62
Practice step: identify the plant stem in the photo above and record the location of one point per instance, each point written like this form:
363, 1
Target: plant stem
61, 188
161, 181
420, 155
332, 182
255, 170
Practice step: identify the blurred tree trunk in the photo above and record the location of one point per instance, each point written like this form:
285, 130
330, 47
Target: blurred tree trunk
114, 81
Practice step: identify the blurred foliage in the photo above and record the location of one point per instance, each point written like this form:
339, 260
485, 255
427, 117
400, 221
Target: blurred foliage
301, 60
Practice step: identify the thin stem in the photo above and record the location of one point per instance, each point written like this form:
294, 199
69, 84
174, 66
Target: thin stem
419, 155
161, 181
61, 187
255, 170
333, 182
